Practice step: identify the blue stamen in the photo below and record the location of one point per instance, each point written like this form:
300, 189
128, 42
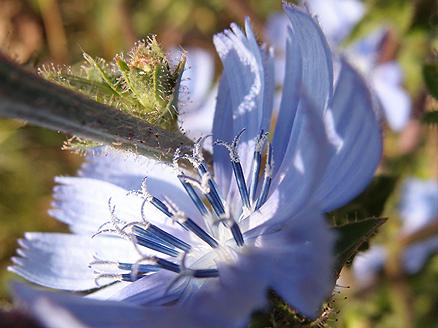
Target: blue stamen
212, 196
142, 268
206, 273
148, 242
237, 234
167, 265
215, 199
198, 231
186, 223
130, 278
162, 236
237, 168
267, 180
160, 205
147, 234
257, 161
194, 196
217, 206
241, 184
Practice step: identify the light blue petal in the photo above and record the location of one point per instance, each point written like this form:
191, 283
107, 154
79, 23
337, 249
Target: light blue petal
82, 203
306, 48
62, 261
317, 77
124, 169
356, 133
230, 300
302, 278
269, 87
222, 129
109, 291
56, 260
58, 310
152, 290
305, 160
276, 34
298, 178
289, 99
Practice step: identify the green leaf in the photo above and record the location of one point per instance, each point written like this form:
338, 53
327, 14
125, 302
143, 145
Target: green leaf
351, 236
430, 75
106, 77
277, 313
370, 203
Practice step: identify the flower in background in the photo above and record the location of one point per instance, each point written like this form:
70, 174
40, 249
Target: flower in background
198, 94
202, 249
337, 18
418, 209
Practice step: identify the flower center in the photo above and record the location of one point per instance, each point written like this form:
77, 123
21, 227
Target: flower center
220, 237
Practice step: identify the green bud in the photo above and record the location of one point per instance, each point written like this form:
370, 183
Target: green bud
142, 83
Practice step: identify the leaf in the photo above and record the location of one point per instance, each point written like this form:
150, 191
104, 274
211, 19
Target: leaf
430, 75
370, 203
277, 313
107, 78
351, 237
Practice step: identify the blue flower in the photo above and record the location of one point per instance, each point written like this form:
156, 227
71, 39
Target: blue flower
337, 19
202, 250
418, 209
198, 94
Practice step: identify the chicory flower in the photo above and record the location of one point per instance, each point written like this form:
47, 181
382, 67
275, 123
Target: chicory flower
196, 250
418, 208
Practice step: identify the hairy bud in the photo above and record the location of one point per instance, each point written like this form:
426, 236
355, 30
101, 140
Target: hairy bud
142, 83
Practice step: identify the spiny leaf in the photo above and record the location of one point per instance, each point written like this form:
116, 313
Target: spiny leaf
351, 236
104, 74
370, 203
279, 314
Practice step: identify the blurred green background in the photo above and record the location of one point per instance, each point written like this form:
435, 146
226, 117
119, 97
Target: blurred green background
34, 32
